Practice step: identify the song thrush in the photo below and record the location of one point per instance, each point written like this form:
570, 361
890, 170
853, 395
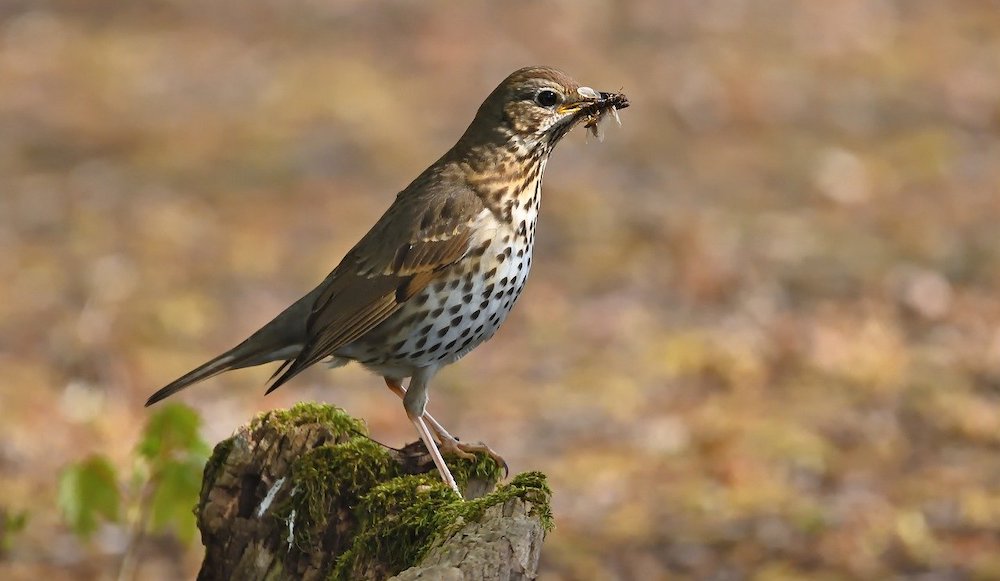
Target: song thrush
438, 273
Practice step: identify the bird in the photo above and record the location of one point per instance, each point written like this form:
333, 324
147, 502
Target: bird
438, 273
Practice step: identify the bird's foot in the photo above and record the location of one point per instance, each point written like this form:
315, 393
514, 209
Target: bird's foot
467, 451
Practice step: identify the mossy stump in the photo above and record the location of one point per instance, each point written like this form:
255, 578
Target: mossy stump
305, 494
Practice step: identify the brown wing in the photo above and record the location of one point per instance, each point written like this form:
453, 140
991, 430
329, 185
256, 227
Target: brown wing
418, 236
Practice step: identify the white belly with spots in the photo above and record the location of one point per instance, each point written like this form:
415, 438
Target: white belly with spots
493, 298
470, 311
455, 314
466, 305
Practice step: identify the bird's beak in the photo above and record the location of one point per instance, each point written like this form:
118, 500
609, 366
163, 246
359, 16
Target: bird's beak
592, 103
587, 96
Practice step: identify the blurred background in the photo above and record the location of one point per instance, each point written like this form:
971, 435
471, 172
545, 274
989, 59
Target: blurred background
762, 335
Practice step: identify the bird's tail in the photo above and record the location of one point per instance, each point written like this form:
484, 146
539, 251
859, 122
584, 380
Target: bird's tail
223, 362
281, 339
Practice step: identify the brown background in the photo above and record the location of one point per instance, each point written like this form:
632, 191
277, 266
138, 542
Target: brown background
762, 335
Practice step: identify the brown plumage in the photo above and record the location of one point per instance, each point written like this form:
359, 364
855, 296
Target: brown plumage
440, 270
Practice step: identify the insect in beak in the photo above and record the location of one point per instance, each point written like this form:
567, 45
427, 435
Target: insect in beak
602, 104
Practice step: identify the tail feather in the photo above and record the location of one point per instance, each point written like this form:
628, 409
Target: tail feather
274, 376
222, 363
280, 339
246, 354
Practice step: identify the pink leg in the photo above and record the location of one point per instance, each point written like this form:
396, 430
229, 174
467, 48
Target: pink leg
428, 440
449, 443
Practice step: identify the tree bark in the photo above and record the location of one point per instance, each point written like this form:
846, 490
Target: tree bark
505, 544
304, 494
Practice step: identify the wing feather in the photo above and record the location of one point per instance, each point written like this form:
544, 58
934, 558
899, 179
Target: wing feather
377, 277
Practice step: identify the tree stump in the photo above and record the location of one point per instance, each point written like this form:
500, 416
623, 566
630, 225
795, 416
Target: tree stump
306, 494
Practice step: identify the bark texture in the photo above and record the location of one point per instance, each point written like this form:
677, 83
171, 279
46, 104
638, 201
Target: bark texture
505, 544
305, 494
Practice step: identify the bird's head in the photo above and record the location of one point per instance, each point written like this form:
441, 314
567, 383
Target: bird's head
539, 105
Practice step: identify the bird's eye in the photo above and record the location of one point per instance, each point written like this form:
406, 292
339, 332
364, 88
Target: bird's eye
547, 98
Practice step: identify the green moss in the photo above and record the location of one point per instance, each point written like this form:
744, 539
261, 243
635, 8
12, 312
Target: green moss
391, 520
304, 413
400, 520
534, 487
216, 460
333, 475
483, 468
396, 520
528, 486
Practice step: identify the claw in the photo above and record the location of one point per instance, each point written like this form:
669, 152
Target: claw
449, 444
467, 451
454, 447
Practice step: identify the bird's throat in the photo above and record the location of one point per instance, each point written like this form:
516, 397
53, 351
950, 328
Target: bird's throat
511, 189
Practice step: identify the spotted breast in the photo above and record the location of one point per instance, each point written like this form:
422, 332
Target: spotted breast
466, 305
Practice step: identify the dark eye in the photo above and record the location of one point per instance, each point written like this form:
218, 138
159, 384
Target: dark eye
547, 98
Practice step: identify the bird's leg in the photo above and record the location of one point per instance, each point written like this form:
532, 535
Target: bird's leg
449, 444
414, 402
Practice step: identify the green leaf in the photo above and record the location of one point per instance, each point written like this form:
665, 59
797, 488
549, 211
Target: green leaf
89, 490
11, 523
176, 455
172, 431
178, 484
